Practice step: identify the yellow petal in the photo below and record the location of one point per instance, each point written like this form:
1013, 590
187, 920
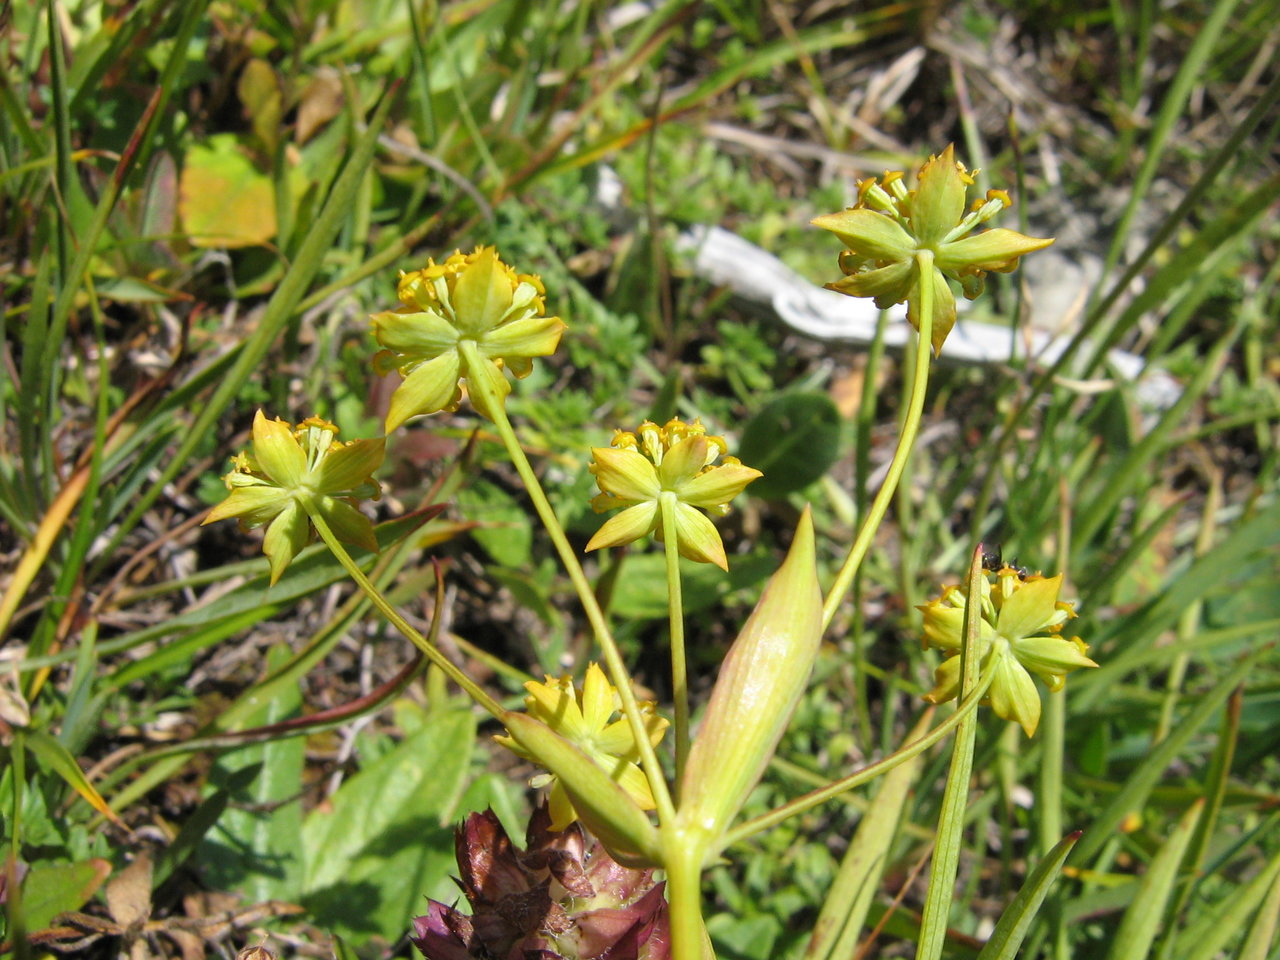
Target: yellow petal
1029, 608
869, 234
938, 204
482, 294
416, 335
277, 451
1013, 694
349, 466
997, 249
626, 527
626, 474
891, 284
1047, 656
487, 387
634, 783
598, 699
682, 462
530, 337
604, 807
946, 681
718, 485
285, 538
431, 387
697, 538
555, 704
253, 505
347, 523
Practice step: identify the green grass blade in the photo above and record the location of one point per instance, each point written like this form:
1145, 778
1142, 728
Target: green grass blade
839, 925
1147, 774
1137, 931
1017, 918
55, 758
1206, 939
279, 309
1124, 477
1171, 108
1257, 946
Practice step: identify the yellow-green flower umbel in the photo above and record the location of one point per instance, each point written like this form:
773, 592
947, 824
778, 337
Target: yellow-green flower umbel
462, 320
1020, 633
672, 467
890, 224
586, 719
294, 473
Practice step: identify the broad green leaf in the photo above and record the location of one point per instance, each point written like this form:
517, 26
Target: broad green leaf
195, 826
750, 938
640, 593
795, 439
503, 524
255, 846
51, 889
223, 199
383, 841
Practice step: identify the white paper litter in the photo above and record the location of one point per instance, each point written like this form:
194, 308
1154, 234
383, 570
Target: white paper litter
723, 258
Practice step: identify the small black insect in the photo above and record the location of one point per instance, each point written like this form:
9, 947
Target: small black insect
993, 560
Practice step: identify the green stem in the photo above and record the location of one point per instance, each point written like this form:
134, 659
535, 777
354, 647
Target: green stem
595, 616
906, 440
375, 596
899, 757
675, 607
683, 862
955, 795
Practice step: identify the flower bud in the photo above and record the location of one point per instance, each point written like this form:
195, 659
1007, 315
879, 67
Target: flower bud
759, 685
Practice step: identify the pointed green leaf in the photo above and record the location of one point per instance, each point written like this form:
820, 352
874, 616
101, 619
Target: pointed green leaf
53, 756
1018, 916
1143, 918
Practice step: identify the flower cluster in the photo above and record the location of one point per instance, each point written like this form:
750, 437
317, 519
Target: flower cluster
462, 320
586, 719
674, 468
295, 473
889, 225
1020, 633
561, 898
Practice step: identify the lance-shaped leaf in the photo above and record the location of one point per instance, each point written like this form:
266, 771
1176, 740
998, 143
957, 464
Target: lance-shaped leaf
759, 685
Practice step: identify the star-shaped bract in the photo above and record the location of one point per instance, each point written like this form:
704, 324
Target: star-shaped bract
889, 224
671, 467
462, 321
1019, 633
294, 473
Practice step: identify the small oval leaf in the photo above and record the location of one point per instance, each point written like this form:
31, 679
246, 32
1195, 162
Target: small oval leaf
795, 439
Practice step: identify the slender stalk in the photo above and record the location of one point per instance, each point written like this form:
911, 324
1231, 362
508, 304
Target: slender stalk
675, 608
683, 862
955, 796
902, 755
393, 617
595, 616
906, 440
